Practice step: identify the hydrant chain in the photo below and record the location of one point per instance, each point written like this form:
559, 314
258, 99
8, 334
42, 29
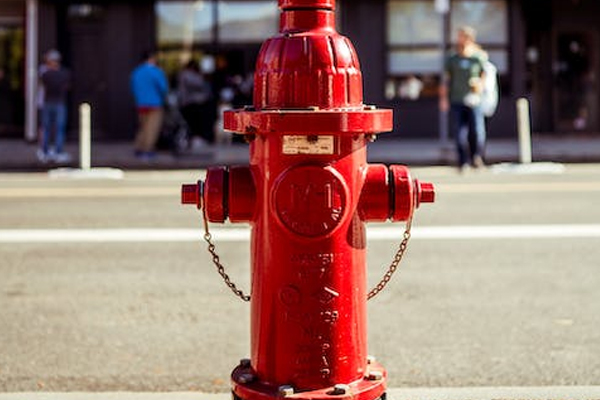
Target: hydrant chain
395, 262
217, 261
372, 293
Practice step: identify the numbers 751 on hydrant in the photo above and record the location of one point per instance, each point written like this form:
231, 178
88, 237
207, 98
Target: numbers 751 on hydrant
307, 195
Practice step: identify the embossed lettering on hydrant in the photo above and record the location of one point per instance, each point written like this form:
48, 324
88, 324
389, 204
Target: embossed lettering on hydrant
310, 200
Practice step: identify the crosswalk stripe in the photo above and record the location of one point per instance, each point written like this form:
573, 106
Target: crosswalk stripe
374, 233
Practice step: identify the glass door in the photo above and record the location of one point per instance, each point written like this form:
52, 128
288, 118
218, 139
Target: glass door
575, 70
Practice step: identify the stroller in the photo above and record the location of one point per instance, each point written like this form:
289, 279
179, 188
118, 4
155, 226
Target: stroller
175, 133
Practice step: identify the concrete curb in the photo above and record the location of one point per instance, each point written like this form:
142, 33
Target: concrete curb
497, 393
459, 393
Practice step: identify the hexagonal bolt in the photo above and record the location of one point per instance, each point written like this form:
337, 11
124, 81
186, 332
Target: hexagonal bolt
375, 375
246, 378
340, 388
245, 363
286, 390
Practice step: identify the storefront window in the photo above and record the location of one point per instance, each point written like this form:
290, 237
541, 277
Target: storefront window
247, 21
416, 39
185, 23
412, 23
198, 22
415, 33
413, 61
222, 35
489, 18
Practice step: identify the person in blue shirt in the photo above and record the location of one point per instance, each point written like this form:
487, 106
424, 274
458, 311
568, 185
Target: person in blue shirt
149, 87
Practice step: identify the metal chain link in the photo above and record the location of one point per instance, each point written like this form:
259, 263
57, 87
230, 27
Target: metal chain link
217, 261
372, 293
395, 262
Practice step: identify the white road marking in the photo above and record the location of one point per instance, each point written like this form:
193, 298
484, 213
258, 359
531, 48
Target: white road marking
374, 233
93, 192
175, 190
521, 187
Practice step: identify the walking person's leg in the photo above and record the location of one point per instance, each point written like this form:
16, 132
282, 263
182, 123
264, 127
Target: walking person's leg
461, 131
141, 133
61, 127
480, 137
48, 118
46, 128
192, 115
154, 125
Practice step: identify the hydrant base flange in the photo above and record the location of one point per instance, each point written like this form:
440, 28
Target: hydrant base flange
247, 386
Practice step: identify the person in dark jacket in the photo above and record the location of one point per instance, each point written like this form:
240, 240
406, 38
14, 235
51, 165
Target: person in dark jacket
194, 96
56, 81
149, 87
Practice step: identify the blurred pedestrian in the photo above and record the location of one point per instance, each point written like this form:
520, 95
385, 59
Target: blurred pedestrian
56, 81
149, 87
460, 92
43, 67
5, 100
194, 94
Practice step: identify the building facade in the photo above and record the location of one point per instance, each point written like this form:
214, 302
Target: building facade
545, 50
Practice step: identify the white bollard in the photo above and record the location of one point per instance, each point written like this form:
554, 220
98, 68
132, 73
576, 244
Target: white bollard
85, 170
85, 136
525, 165
523, 126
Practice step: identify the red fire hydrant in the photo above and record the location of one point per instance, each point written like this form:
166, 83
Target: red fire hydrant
307, 193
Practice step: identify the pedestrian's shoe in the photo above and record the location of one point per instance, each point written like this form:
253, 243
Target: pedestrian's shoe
62, 157
42, 156
478, 162
464, 168
145, 155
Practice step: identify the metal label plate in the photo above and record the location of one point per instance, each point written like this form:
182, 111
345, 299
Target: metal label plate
312, 144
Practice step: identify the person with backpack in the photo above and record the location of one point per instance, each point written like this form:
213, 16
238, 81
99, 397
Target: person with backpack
461, 93
490, 94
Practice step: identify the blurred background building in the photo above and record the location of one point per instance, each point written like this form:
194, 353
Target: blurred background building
546, 50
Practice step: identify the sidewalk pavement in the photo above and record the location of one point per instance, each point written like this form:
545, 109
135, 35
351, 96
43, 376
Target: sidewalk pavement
450, 393
18, 155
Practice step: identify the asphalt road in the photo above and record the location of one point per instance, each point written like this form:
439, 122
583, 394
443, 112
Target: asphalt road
499, 286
